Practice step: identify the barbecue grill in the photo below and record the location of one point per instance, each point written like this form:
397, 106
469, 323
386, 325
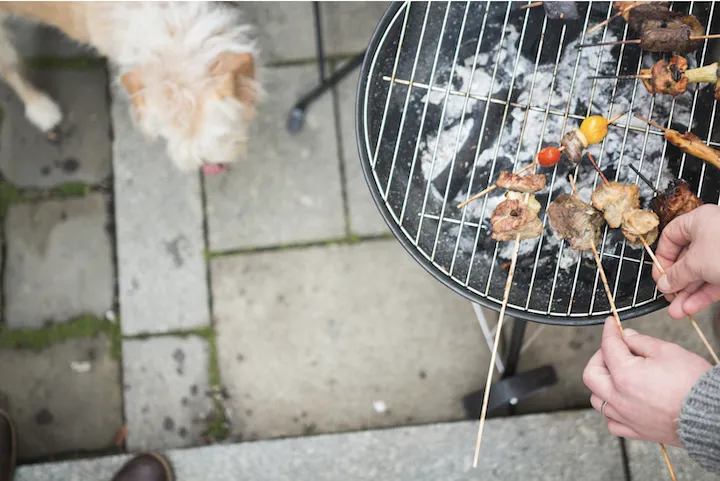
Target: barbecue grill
452, 93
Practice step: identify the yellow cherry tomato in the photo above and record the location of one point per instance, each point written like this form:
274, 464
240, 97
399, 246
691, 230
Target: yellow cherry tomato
594, 128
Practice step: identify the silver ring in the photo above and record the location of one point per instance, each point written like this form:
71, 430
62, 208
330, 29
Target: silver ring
602, 410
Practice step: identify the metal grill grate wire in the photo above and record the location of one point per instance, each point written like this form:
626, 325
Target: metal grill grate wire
460, 271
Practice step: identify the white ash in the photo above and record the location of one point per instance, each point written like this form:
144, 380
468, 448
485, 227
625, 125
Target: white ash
525, 131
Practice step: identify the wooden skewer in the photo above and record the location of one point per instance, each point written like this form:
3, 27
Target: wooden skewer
622, 12
600, 267
597, 167
488, 382
494, 186
531, 5
692, 319
637, 41
616, 316
605, 22
615, 119
621, 77
654, 124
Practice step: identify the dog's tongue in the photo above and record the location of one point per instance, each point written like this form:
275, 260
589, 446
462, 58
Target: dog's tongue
213, 169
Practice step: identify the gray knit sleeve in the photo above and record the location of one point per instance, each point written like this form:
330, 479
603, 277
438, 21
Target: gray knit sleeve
700, 421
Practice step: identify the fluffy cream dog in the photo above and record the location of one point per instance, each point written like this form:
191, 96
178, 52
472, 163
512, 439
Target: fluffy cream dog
189, 69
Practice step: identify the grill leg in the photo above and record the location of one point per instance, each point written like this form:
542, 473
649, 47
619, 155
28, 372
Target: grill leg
296, 118
511, 388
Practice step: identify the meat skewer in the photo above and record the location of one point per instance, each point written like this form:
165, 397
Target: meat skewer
646, 244
663, 40
688, 143
667, 202
592, 130
677, 199
609, 295
556, 10
510, 216
672, 77
623, 11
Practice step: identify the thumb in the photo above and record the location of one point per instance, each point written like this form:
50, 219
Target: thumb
614, 350
678, 277
642, 345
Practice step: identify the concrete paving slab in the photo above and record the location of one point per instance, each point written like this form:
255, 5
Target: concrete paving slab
160, 243
569, 349
285, 30
340, 338
82, 154
287, 190
365, 218
165, 386
32, 39
348, 26
63, 399
647, 464
60, 261
567, 446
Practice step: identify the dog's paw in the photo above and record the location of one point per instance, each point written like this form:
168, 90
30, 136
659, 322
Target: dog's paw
43, 113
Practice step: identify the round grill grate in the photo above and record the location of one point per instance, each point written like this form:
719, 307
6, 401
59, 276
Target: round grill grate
452, 93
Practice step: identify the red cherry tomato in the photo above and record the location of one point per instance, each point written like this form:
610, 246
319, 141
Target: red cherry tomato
549, 156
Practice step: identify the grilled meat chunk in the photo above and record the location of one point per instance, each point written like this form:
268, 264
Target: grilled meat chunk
514, 217
638, 223
677, 200
529, 183
675, 38
644, 12
575, 221
561, 10
614, 200
667, 77
691, 143
575, 143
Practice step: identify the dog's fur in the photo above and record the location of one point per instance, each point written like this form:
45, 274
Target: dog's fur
189, 69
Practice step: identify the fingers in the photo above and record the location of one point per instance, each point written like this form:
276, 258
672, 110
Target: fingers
703, 298
679, 276
621, 430
614, 350
642, 345
675, 236
597, 378
610, 412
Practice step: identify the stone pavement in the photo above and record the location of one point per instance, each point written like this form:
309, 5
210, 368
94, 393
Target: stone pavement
148, 309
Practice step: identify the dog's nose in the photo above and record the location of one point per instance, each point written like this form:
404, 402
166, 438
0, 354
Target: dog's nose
213, 169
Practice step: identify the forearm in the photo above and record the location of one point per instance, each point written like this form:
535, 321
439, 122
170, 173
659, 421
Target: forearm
700, 421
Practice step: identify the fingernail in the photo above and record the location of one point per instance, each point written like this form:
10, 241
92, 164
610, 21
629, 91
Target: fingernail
630, 332
663, 284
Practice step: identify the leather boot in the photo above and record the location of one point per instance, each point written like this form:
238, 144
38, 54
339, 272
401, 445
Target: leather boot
145, 467
8, 447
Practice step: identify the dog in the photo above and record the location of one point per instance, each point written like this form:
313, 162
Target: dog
188, 68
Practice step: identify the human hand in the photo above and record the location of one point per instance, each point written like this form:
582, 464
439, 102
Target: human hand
688, 251
644, 381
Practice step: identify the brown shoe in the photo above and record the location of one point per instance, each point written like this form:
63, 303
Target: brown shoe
8, 447
145, 467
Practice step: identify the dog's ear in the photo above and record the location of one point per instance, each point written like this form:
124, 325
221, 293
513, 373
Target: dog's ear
237, 71
133, 84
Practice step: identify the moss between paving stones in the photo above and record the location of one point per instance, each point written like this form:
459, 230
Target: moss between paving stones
66, 62
342, 241
217, 425
10, 194
79, 328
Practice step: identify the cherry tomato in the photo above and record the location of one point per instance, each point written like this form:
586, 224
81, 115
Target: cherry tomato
549, 156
